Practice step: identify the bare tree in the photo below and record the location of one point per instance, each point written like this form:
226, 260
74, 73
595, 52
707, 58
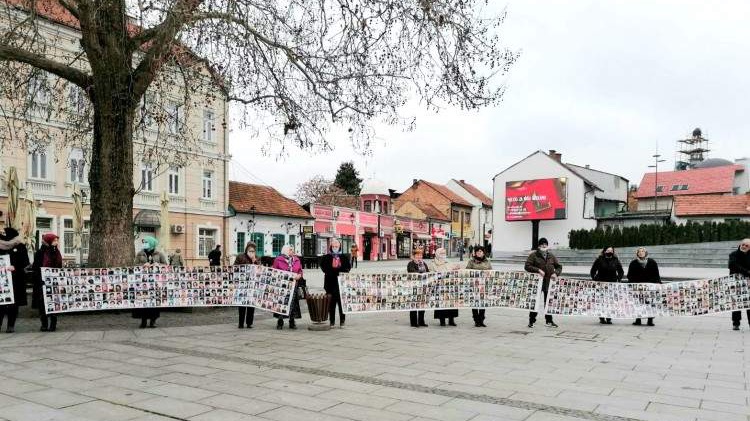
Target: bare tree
315, 188
299, 67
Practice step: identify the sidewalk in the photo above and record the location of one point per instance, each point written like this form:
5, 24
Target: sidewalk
378, 368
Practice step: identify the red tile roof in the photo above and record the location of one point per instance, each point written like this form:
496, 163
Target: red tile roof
48, 9
447, 193
486, 201
431, 211
699, 181
712, 205
267, 201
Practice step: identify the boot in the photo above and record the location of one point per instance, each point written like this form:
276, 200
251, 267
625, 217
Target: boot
53, 324
143, 324
292, 324
152, 323
442, 322
451, 322
280, 324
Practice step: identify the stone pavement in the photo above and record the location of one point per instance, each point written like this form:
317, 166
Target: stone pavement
379, 368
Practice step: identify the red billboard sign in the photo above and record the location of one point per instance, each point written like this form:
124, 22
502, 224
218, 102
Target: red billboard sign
530, 200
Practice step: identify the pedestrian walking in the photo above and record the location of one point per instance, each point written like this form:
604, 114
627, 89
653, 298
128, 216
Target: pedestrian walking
48, 256
739, 263
441, 264
332, 264
149, 256
354, 249
607, 268
247, 313
417, 265
214, 257
12, 245
176, 259
643, 270
543, 262
478, 261
289, 262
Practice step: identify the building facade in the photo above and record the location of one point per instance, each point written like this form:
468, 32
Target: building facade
481, 213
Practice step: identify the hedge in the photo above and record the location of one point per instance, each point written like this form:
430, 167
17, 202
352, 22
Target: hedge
645, 235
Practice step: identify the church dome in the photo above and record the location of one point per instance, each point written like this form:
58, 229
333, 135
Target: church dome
374, 187
713, 162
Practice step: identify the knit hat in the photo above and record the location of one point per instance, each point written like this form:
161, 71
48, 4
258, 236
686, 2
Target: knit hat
151, 241
542, 241
49, 237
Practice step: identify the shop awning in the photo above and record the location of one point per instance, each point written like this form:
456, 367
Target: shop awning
147, 218
422, 236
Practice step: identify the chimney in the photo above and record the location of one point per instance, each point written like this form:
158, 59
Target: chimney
462, 181
557, 156
414, 181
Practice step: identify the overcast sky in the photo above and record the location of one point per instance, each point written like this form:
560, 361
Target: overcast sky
600, 81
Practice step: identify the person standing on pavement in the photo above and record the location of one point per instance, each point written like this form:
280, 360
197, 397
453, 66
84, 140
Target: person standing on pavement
478, 262
417, 265
440, 264
214, 257
543, 262
12, 245
48, 256
607, 268
643, 270
149, 256
332, 264
287, 261
355, 254
247, 313
739, 263
176, 259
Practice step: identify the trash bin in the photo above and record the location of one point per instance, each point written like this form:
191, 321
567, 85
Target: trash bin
317, 307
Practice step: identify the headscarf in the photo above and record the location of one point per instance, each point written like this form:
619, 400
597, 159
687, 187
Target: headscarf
286, 251
440, 256
49, 238
151, 241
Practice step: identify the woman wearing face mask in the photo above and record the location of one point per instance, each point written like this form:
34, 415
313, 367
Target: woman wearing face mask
440, 264
643, 270
247, 313
11, 244
48, 256
607, 268
332, 264
146, 257
478, 262
417, 265
288, 262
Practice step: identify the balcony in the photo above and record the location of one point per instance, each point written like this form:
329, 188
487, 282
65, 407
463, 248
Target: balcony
41, 187
147, 199
208, 205
85, 190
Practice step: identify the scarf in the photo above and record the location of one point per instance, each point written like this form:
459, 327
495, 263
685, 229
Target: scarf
336, 261
52, 258
421, 267
11, 243
289, 262
643, 262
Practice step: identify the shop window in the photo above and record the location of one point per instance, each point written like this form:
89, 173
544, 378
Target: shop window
277, 242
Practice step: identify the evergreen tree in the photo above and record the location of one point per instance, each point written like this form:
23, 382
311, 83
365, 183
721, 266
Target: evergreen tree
347, 179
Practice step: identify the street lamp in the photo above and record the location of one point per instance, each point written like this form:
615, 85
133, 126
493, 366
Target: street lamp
251, 221
656, 185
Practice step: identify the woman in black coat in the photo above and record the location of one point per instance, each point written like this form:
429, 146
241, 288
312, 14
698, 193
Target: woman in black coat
643, 270
417, 265
11, 244
607, 268
332, 264
48, 256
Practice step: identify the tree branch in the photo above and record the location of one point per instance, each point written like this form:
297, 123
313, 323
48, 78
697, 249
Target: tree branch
68, 73
73, 10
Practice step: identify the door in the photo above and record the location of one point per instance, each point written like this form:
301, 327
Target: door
367, 247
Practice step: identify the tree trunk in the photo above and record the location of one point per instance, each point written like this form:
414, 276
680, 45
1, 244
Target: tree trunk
111, 175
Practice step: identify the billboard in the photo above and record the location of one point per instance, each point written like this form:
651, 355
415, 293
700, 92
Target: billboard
529, 200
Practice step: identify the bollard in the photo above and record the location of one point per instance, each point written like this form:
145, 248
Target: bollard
317, 307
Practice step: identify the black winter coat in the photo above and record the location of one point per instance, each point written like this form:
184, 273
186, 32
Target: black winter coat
37, 295
19, 259
214, 258
607, 270
412, 267
739, 263
331, 274
649, 274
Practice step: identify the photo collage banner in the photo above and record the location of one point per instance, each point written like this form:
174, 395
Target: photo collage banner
6, 281
75, 289
580, 297
364, 293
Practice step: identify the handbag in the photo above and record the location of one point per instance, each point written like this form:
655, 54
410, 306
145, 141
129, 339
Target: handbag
302, 289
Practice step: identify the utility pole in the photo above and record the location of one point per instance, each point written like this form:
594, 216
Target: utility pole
656, 157
461, 245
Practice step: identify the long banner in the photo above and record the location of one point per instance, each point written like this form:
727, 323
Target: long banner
363, 293
6, 281
580, 297
69, 290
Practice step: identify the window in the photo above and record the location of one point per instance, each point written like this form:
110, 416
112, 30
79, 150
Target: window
454, 215
293, 242
659, 189
240, 242
368, 206
39, 90
376, 207
174, 180
260, 242
675, 187
277, 243
684, 187
69, 237
206, 241
44, 224
208, 181
39, 164
175, 117
147, 117
76, 98
77, 164
384, 208
147, 178
208, 126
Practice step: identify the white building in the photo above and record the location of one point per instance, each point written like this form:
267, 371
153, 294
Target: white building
481, 213
263, 215
582, 197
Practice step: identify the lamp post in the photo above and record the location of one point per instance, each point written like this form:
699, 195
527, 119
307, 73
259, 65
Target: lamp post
656, 185
251, 222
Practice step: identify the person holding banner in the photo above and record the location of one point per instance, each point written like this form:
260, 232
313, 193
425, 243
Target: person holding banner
146, 257
543, 262
247, 313
48, 256
607, 268
478, 262
12, 245
332, 264
417, 265
440, 264
643, 270
288, 262
739, 263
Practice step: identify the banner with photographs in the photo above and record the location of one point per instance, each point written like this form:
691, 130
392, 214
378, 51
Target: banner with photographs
69, 290
364, 293
6, 281
580, 297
